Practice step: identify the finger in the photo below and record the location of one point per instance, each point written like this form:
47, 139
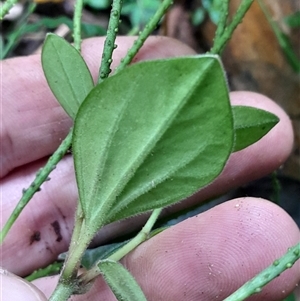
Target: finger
16, 288
34, 123
35, 231
209, 256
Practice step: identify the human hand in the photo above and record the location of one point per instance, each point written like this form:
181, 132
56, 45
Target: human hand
201, 258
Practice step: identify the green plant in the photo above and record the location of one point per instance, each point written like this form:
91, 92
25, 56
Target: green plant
132, 149
282, 38
138, 12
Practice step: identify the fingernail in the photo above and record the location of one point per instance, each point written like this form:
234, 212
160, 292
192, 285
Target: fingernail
16, 288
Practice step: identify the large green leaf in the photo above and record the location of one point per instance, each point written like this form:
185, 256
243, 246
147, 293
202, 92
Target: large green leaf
250, 125
150, 136
120, 281
66, 72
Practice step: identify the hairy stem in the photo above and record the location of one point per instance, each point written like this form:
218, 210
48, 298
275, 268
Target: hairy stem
138, 43
41, 176
63, 291
220, 42
77, 24
223, 19
142, 236
256, 284
68, 283
109, 44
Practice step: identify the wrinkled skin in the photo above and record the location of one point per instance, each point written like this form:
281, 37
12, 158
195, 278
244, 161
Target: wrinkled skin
203, 258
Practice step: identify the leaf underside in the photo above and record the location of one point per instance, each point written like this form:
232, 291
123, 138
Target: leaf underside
150, 136
66, 72
120, 281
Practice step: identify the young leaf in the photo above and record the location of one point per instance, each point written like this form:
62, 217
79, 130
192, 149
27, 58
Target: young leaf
250, 125
120, 281
66, 72
150, 136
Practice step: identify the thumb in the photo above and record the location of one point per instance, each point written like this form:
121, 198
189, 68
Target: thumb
16, 288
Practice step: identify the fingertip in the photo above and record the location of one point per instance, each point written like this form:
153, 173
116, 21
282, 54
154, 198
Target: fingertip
211, 255
16, 288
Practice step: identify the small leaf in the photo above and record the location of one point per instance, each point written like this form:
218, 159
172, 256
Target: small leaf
150, 136
66, 72
120, 281
250, 125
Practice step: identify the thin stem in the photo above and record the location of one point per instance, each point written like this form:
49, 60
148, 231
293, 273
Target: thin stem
221, 42
223, 19
142, 236
68, 283
109, 44
77, 24
41, 176
77, 242
256, 284
5, 8
138, 43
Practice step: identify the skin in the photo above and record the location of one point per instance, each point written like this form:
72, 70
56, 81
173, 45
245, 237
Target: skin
203, 258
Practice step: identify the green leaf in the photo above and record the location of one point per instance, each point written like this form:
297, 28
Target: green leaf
120, 281
250, 125
66, 72
150, 136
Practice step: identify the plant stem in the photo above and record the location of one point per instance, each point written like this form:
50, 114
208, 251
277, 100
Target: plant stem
138, 43
109, 44
63, 291
5, 8
223, 19
220, 42
77, 24
142, 236
77, 242
41, 176
255, 284
81, 237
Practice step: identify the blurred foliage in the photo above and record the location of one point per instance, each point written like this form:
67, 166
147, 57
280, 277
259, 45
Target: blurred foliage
293, 20
210, 8
282, 38
14, 36
137, 11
